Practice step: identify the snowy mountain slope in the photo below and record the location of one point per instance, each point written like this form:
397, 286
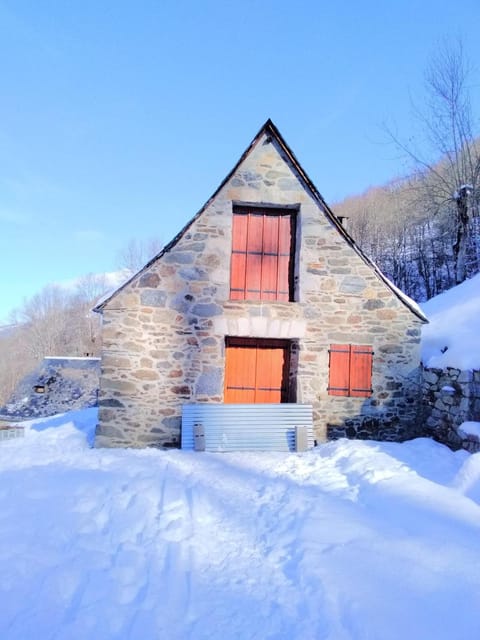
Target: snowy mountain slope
452, 339
354, 540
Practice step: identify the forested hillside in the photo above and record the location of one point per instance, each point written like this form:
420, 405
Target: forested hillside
58, 320
423, 229
412, 241
54, 322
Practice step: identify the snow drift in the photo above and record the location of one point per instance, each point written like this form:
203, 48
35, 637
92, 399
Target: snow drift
353, 540
452, 339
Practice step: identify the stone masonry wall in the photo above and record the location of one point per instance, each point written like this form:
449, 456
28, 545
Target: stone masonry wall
164, 333
451, 396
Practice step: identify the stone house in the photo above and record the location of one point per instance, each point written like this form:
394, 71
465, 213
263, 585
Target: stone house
263, 297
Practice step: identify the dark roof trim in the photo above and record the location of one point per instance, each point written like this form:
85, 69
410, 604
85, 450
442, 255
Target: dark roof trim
270, 129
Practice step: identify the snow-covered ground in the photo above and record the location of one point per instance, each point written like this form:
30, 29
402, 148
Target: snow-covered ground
352, 541
452, 339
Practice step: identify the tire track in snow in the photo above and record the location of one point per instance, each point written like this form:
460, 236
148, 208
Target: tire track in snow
175, 531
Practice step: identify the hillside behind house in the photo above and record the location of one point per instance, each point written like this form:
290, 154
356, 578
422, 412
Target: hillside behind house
411, 241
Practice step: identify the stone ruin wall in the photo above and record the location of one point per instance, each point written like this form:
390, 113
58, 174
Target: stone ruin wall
450, 397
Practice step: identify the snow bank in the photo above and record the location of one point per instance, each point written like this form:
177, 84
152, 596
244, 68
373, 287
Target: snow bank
353, 540
452, 339
469, 429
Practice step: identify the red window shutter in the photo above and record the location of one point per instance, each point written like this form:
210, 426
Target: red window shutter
270, 258
239, 257
361, 360
284, 257
262, 254
253, 278
339, 382
350, 370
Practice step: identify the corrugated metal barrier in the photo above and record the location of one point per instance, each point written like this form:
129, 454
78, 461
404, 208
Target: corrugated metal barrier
247, 427
7, 433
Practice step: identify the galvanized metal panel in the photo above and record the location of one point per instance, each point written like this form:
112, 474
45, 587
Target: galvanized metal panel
11, 432
301, 438
246, 427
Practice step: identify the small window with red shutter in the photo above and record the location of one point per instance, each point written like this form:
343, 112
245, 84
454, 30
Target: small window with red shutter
350, 370
263, 242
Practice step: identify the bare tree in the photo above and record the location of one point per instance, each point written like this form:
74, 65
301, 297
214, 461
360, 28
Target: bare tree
15, 362
136, 253
86, 323
57, 321
447, 170
42, 321
91, 287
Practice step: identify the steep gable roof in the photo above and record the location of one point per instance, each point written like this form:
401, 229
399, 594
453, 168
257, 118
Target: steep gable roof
271, 131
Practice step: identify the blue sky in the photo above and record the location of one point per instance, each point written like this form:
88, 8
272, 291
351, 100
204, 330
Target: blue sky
119, 119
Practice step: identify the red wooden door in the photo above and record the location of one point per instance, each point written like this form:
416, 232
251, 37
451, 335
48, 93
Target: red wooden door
256, 371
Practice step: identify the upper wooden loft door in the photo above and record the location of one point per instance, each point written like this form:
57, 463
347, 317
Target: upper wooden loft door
256, 371
263, 245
